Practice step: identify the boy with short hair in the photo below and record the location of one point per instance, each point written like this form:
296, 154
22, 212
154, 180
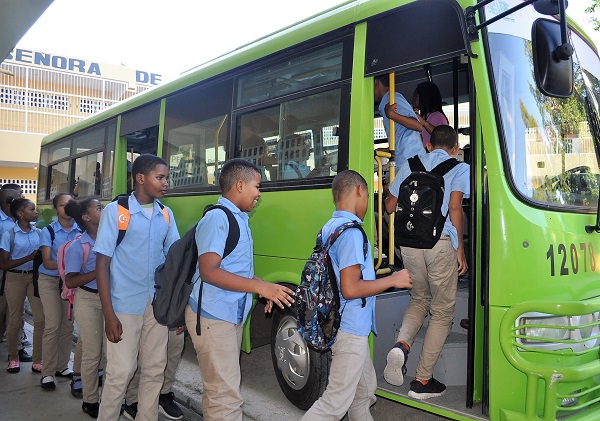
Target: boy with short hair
227, 287
125, 277
434, 272
352, 379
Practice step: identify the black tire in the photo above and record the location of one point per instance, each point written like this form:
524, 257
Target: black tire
301, 372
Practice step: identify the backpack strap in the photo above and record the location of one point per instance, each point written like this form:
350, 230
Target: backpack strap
12, 245
416, 164
123, 218
443, 167
52, 234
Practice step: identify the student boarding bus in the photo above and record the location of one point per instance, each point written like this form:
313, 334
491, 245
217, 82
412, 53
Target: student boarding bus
520, 84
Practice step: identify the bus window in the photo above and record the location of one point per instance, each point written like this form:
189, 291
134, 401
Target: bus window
88, 175
59, 178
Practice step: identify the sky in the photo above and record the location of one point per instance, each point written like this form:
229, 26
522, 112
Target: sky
170, 37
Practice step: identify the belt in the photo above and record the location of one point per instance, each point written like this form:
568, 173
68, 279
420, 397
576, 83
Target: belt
88, 289
19, 271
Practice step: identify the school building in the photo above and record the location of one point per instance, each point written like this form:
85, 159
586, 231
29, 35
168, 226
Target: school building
42, 92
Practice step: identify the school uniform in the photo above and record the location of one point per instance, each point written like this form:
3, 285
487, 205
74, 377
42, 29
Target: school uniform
132, 267
434, 272
58, 332
352, 379
222, 315
6, 222
408, 142
19, 284
87, 311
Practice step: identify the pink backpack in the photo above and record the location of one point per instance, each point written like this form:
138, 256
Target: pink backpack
67, 293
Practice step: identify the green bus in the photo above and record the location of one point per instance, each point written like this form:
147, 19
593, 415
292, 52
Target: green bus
520, 83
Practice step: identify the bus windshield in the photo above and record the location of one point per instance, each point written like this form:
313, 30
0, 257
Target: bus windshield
551, 144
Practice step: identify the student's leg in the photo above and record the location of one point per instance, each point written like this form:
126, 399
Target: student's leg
218, 354
174, 350
420, 295
131, 395
78, 353
88, 314
152, 362
443, 278
65, 338
15, 290
39, 322
121, 362
351, 385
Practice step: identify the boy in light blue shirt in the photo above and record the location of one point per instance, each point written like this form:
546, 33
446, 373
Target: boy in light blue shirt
352, 379
227, 287
125, 278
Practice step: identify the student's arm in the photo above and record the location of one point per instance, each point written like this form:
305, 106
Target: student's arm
211, 272
47, 258
354, 287
408, 122
455, 211
390, 203
112, 324
6, 263
76, 279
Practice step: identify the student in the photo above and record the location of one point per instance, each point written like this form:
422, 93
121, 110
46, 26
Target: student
166, 401
125, 278
226, 292
18, 247
86, 307
58, 332
427, 104
434, 272
407, 142
352, 379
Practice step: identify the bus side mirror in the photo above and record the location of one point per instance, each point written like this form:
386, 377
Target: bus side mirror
552, 60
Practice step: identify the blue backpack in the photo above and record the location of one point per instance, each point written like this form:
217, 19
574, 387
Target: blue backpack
318, 297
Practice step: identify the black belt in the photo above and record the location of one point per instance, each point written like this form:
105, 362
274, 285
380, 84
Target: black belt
88, 289
19, 271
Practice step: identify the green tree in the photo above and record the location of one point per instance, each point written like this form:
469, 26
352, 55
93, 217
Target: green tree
592, 9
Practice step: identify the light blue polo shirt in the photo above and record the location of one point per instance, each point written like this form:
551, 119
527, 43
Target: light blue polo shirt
457, 179
61, 236
74, 258
134, 261
211, 235
408, 142
25, 244
348, 251
6, 222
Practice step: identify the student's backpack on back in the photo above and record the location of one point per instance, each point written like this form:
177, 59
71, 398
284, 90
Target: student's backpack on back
173, 278
419, 220
68, 294
318, 297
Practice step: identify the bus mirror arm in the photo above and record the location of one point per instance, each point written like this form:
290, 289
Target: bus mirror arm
594, 228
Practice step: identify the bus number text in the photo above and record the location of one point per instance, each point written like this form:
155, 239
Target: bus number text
571, 259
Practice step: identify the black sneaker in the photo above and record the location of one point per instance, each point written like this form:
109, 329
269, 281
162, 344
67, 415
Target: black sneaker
421, 391
395, 367
168, 407
48, 383
24, 356
77, 388
130, 411
91, 409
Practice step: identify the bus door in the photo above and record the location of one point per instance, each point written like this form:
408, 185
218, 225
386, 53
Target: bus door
138, 135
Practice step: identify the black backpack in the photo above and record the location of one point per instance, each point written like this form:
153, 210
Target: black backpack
173, 278
419, 220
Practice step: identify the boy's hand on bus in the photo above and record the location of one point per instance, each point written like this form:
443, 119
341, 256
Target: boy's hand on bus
268, 306
389, 108
401, 279
113, 328
278, 294
462, 262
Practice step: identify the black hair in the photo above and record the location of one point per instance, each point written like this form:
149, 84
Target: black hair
384, 80
8, 195
12, 186
145, 163
17, 204
345, 182
234, 170
430, 99
444, 137
76, 210
57, 198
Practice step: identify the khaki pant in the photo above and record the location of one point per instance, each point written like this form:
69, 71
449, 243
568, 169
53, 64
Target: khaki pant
58, 333
218, 354
145, 339
174, 350
352, 382
4, 316
17, 287
90, 321
78, 354
434, 276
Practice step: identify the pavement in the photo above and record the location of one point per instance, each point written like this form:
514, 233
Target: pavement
22, 398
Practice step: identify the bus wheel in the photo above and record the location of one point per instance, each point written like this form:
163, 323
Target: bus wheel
301, 372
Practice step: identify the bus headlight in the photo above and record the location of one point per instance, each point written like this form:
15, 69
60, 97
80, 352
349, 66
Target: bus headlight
551, 332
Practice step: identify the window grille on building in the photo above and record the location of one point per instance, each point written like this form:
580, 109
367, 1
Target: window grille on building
28, 186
